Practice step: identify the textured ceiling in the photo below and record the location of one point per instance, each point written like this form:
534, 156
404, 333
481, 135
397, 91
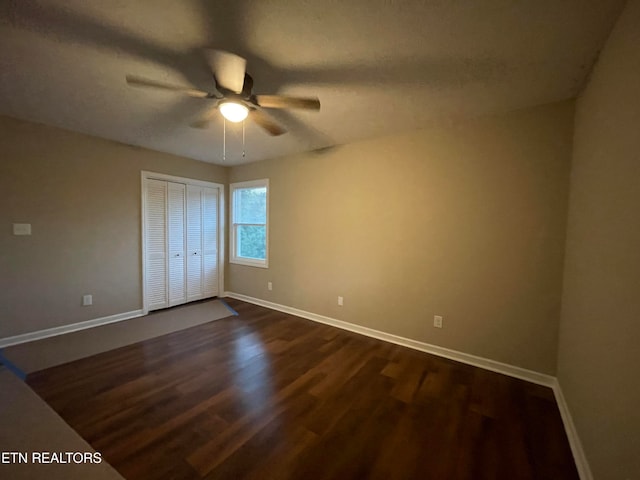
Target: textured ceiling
377, 66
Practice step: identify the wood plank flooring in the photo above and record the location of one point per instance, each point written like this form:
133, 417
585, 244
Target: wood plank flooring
266, 395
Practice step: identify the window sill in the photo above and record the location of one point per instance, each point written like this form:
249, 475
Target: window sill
249, 263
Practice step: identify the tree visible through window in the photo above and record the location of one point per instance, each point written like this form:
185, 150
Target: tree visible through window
249, 202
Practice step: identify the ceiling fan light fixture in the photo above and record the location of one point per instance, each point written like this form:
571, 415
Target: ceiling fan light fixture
234, 112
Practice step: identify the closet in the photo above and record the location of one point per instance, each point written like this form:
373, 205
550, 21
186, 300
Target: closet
181, 220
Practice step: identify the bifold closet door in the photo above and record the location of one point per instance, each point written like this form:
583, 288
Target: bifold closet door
181, 243
210, 241
156, 244
176, 243
194, 243
202, 242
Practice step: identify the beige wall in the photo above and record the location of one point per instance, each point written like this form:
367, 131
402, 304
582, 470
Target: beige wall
599, 352
82, 196
466, 222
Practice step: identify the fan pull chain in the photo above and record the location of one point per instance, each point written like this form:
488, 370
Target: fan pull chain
224, 139
243, 149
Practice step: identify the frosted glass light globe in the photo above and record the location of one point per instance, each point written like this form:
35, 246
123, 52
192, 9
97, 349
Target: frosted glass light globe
234, 112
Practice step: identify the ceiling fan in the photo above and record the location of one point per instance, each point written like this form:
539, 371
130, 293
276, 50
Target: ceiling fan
233, 94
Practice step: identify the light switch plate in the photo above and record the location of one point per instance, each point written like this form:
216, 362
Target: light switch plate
22, 229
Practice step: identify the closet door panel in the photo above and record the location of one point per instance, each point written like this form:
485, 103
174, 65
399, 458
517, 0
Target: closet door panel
194, 242
176, 243
210, 241
156, 246
180, 242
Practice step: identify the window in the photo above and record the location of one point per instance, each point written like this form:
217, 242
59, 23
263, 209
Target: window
249, 223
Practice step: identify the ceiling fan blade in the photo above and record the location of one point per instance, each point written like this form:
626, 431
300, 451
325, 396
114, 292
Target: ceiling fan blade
281, 101
228, 69
265, 121
145, 82
247, 86
205, 118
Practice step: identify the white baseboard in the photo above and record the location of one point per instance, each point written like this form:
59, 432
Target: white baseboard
584, 471
487, 364
74, 327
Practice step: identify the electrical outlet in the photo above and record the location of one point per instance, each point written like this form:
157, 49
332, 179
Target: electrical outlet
437, 321
269, 286
340, 301
87, 300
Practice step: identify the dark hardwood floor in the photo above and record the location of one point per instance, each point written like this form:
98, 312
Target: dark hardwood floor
266, 395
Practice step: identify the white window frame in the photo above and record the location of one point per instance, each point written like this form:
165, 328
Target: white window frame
233, 257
